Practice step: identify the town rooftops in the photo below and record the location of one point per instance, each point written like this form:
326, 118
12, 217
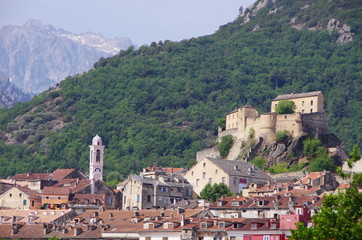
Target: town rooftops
297, 95
239, 168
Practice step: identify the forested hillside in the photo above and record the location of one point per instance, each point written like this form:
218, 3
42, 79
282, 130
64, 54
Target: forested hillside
160, 104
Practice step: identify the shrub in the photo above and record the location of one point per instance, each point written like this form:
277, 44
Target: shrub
282, 136
259, 162
251, 133
310, 146
285, 107
225, 145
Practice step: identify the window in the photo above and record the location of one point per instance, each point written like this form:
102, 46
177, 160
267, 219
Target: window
32, 203
192, 173
235, 181
10, 195
197, 182
221, 225
210, 180
302, 103
303, 111
216, 171
223, 180
20, 194
138, 198
254, 226
179, 189
148, 198
204, 165
311, 110
311, 102
266, 237
98, 156
299, 211
147, 238
166, 238
58, 198
203, 175
24, 202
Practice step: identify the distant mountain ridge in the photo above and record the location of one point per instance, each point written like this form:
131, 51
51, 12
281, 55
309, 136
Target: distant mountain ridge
38, 56
9, 93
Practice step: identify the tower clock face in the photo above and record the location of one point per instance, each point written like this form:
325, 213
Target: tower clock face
97, 170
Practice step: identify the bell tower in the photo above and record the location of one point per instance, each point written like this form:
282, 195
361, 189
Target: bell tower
96, 159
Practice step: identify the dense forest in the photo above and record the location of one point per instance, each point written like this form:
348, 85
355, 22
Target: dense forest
159, 104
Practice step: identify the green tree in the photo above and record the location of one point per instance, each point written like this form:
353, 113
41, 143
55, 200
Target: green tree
285, 107
225, 145
221, 122
213, 192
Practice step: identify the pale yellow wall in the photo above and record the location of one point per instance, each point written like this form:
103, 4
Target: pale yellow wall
203, 171
131, 189
233, 119
305, 104
291, 123
14, 198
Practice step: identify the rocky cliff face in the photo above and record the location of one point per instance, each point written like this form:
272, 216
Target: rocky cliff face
9, 94
37, 56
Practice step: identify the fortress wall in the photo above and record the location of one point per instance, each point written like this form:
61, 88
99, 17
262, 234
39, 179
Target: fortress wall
211, 152
290, 122
315, 123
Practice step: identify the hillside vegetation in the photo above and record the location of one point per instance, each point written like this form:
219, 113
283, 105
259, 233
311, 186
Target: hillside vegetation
160, 104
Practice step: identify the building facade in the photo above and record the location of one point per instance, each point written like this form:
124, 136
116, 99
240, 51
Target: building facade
235, 174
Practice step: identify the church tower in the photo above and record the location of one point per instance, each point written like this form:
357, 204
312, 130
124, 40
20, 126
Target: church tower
96, 159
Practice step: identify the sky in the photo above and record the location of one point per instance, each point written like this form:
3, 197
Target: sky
143, 21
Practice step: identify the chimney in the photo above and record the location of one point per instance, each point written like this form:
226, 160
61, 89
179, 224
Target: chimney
136, 213
162, 214
14, 229
180, 210
90, 228
95, 214
182, 220
171, 215
92, 186
45, 229
64, 230
110, 215
77, 231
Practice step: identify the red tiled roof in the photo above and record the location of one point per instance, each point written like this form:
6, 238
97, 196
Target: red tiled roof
59, 174
28, 191
31, 176
312, 176
56, 191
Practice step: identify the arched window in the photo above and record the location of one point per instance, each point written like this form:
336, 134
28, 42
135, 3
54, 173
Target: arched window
98, 156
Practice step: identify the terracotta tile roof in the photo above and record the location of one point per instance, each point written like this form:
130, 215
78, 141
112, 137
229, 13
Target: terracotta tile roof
56, 191
28, 191
297, 95
312, 176
83, 183
59, 174
31, 176
39, 216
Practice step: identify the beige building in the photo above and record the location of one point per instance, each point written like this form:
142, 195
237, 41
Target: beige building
309, 118
309, 102
20, 198
235, 174
155, 188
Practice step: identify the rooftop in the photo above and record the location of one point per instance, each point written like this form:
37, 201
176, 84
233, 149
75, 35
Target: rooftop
297, 95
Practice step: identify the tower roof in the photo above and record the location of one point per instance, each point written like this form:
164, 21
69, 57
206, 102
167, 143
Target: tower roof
97, 140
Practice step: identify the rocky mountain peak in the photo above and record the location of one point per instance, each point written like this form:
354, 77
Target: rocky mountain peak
36, 56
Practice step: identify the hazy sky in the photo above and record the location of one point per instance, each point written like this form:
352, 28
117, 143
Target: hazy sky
143, 21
